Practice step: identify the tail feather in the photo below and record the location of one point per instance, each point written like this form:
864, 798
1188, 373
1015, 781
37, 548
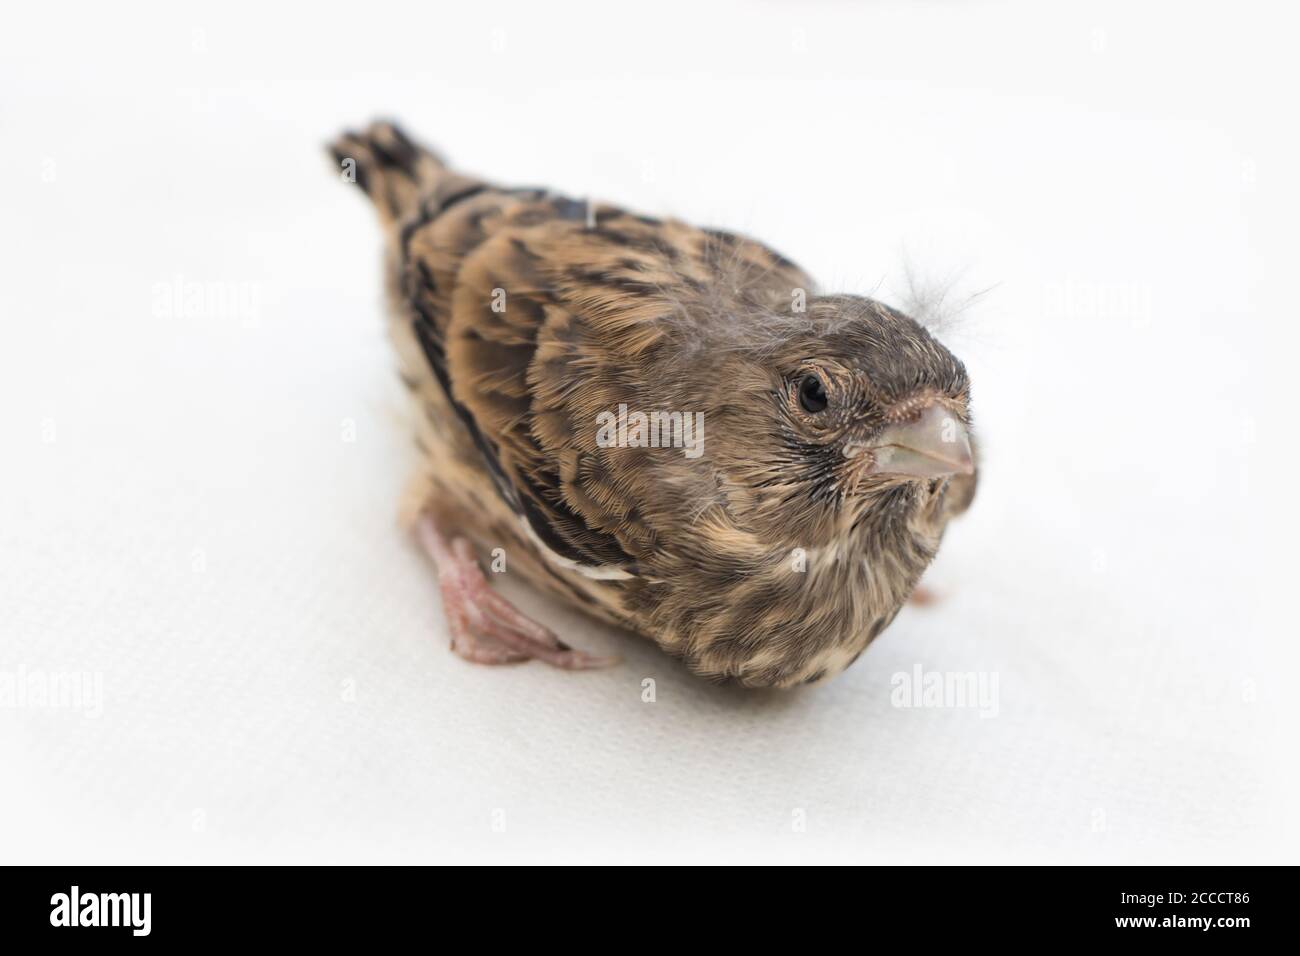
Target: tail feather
391, 168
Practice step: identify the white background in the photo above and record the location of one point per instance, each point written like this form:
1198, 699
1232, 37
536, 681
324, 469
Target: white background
183, 515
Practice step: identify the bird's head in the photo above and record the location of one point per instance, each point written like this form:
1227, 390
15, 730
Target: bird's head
852, 409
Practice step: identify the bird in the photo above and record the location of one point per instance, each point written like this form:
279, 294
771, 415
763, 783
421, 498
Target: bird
668, 427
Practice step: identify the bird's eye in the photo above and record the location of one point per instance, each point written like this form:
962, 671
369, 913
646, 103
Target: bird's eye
812, 394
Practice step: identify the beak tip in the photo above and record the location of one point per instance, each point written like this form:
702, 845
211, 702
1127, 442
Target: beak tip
964, 461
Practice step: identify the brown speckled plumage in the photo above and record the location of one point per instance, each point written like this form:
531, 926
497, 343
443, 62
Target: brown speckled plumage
772, 558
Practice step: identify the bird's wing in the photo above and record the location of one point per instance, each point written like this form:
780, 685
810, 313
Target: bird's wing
479, 303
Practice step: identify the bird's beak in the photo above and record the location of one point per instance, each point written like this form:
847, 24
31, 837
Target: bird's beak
934, 445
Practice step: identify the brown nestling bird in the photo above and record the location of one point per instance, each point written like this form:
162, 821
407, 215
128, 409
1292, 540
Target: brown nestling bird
666, 426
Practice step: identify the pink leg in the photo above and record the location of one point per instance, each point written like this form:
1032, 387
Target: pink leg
485, 627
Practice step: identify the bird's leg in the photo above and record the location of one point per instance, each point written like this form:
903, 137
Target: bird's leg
485, 627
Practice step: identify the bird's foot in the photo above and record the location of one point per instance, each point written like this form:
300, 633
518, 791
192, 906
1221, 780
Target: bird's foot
922, 597
485, 627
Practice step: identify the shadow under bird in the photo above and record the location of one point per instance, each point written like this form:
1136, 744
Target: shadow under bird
661, 424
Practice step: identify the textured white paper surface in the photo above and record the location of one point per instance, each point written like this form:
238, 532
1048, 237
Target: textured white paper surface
198, 494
